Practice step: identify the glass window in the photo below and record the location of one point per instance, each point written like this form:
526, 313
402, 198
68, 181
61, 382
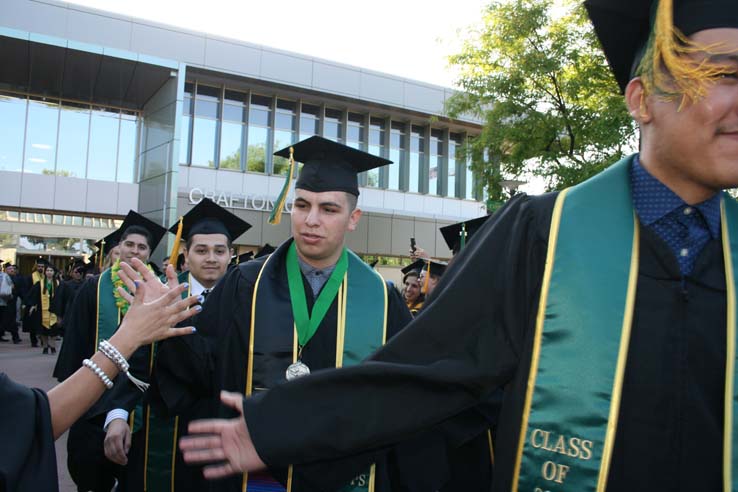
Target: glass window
453, 164
230, 145
187, 103
434, 162
12, 126
207, 100
203, 142
376, 144
256, 154
184, 139
398, 146
333, 124
309, 121
259, 112
127, 148
355, 131
234, 107
74, 128
41, 130
103, 144
417, 156
469, 177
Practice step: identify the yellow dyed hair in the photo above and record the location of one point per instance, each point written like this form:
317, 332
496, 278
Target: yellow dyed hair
667, 69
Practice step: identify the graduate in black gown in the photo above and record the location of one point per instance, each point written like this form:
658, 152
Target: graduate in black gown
67, 291
152, 464
602, 311
248, 323
95, 315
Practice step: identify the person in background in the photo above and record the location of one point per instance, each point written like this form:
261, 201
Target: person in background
44, 322
411, 290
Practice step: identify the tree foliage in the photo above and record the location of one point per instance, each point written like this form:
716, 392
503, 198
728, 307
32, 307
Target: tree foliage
535, 74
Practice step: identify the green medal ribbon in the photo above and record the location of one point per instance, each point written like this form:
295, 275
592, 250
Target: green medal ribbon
305, 324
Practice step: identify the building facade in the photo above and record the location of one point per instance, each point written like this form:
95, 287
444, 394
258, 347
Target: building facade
102, 113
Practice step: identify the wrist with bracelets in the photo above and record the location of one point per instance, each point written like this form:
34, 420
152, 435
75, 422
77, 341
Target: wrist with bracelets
98, 372
112, 353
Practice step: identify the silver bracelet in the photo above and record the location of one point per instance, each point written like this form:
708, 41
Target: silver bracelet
98, 372
114, 355
117, 358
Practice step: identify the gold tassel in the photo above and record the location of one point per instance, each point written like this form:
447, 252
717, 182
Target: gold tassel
668, 70
175, 247
101, 255
427, 279
276, 216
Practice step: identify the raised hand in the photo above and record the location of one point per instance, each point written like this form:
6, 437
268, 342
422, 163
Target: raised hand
223, 441
147, 322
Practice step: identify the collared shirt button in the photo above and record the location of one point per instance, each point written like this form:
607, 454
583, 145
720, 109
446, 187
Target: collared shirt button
684, 252
688, 210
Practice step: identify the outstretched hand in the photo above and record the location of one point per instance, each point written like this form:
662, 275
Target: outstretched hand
225, 443
148, 322
137, 271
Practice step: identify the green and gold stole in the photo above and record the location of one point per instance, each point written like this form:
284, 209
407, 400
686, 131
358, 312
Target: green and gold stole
160, 433
582, 333
361, 329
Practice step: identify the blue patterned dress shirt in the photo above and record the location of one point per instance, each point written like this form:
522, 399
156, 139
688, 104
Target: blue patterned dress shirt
684, 228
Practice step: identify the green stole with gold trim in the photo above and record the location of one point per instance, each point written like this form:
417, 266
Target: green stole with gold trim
160, 433
361, 328
108, 314
582, 333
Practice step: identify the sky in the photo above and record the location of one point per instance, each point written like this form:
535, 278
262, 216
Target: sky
408, 38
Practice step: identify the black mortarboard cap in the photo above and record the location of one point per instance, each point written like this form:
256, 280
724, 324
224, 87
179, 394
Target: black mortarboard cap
436, 267
330, 166
623, 26
111, 241
243, 258
452, 233
267, 249
209, 218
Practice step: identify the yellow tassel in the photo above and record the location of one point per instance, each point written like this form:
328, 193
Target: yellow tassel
175, 247
101, 255
427, 279
667, 68
276, 216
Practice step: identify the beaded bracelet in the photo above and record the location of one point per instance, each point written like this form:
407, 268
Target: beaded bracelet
112, 353
98, 372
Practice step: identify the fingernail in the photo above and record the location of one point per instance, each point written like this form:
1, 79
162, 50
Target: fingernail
194, 330
198, 308
200, 299
185, 285
136, 282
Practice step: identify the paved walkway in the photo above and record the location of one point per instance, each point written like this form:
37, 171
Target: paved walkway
27, 365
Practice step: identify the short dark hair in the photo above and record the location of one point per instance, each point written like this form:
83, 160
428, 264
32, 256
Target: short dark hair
188, 242
352, 200
137, 229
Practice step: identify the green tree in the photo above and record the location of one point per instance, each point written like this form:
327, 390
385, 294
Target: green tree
535, 74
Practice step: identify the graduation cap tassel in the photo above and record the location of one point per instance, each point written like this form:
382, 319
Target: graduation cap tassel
666, 67
101, 255
178, 238
427, 279
276, 216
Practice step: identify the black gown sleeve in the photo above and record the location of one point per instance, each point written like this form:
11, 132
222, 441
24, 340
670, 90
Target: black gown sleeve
458, 350
79, 335
27, 456
185, 367
398, 315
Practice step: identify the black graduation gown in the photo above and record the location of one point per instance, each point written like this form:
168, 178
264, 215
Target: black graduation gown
64, 298
86, 459
36, 323
27, 454
189, 369
669, 435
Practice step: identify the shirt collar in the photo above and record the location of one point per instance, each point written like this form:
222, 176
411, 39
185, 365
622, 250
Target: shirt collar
307, 269
646, 186
196, 287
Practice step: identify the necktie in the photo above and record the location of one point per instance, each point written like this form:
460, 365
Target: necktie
205, 294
